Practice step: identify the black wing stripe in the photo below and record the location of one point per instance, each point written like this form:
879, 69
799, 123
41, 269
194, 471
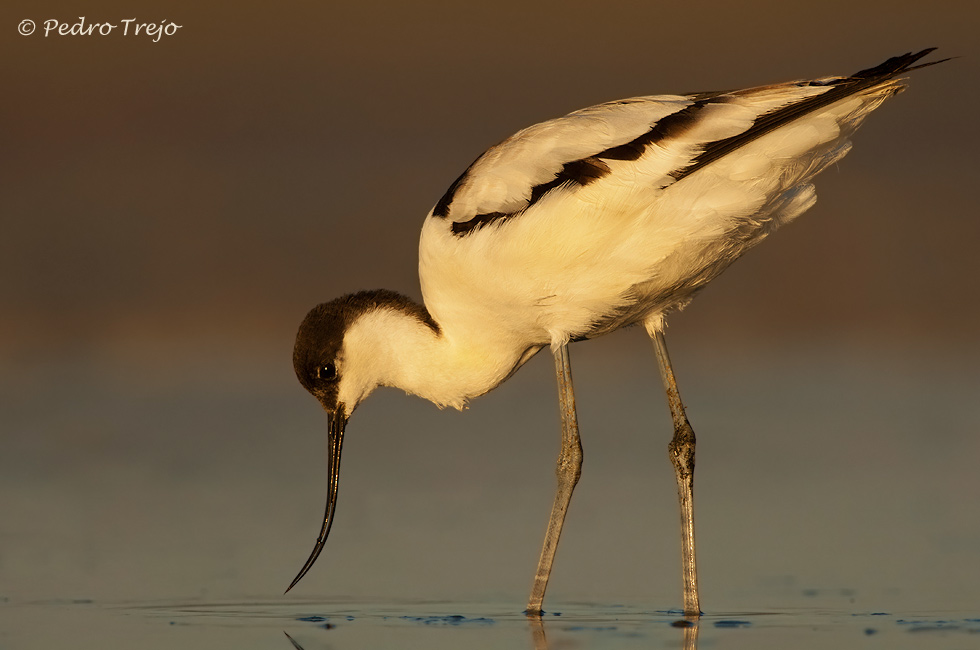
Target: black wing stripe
671, 126
771, 121
586, 170
442, 207
578, 172
477, 222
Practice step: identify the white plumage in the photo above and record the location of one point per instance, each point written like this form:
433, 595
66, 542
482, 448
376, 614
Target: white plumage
610, 216
627, 247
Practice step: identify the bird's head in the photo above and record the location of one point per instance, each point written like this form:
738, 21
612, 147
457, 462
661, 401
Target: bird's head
324, 365
336, 358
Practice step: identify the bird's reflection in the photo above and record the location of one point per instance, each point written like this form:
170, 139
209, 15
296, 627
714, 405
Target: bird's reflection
688, 626
690, 630
537, 633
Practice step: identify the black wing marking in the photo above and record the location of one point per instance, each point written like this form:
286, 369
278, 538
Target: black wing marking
583, 171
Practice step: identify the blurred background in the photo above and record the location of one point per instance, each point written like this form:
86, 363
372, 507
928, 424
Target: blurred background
170, 211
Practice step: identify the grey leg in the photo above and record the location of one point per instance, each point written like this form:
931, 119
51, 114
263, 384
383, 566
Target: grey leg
681, 452
569, 469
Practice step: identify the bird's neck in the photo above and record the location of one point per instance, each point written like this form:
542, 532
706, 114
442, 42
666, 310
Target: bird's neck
401, 347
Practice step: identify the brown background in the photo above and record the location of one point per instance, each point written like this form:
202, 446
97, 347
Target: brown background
209, 188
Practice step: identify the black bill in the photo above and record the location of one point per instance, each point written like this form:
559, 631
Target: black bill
335, 441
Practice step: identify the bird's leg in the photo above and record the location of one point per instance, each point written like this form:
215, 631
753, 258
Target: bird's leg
569, 469
681, 452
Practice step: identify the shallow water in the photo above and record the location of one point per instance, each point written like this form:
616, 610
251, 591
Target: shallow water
836, 506
334, 623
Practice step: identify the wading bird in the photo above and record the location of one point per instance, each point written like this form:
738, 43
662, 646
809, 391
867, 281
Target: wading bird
610, 216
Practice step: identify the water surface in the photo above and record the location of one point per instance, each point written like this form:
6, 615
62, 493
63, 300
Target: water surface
835, 506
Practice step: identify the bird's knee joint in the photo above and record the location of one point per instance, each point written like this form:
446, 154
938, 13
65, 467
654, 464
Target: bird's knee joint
570, 465
681, 448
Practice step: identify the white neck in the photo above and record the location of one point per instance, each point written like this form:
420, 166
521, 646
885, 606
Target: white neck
389, 347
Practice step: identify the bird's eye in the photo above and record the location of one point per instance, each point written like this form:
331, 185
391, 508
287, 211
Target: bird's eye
326, 372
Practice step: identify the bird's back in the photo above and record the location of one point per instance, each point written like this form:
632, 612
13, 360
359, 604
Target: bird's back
623, 211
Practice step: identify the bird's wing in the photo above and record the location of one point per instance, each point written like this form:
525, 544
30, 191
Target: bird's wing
621, 212
511, 176
669, 137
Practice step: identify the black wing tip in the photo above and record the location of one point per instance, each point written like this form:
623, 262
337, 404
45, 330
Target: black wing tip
898, 64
